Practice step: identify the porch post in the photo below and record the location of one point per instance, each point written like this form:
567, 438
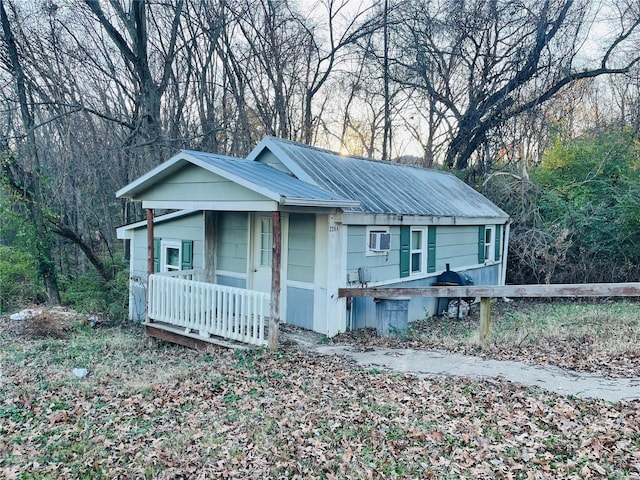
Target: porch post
150, 255
150, 243
274, 323
210, 241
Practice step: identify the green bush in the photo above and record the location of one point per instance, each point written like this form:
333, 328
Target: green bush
91, 294
19, 283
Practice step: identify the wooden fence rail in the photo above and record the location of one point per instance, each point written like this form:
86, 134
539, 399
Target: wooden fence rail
487, 292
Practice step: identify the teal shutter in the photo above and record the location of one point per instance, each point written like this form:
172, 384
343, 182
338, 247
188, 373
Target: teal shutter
156, 255
405, 251
187, 255
431, 249
497, 242
481, 244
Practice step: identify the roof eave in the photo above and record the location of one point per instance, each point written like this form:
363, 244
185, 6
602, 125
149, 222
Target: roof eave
311, 202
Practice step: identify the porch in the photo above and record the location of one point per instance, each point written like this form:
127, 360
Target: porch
184, 303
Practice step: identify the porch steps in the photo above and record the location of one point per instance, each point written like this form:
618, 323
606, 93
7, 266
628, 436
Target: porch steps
178, 335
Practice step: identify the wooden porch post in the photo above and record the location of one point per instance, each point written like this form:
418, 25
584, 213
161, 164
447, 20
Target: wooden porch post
210, 245
274, 323
150, 243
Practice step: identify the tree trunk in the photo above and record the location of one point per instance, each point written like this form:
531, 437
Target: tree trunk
31, 190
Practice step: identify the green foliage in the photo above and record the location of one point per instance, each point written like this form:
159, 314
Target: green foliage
91, 294
576, 217
591, 188
19, 284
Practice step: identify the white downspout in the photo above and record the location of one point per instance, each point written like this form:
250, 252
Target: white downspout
505, 250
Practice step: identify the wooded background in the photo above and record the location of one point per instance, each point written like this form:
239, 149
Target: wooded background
534, 103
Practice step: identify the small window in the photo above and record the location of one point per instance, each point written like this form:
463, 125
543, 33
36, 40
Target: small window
417, 251
171, 252
489, 244
266, 241
378, 241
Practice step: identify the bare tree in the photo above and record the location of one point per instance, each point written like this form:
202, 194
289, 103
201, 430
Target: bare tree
132, 39
487, 61
23, 176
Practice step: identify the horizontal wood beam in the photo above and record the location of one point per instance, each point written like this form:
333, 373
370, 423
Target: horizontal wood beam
496, 291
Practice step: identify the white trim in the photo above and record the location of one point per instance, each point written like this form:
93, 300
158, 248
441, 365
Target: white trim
165, 244
336, 307
491, 245
284, 264
423, 250
320, 271
505, 250
126, 231
236, 206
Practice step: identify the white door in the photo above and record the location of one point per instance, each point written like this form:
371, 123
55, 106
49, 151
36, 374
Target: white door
262, 252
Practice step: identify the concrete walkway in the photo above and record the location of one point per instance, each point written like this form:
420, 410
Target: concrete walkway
425, 363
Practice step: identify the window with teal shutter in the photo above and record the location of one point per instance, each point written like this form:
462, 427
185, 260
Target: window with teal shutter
157, 242
405, 251
187, 255
431, 249
481, 244
498, 241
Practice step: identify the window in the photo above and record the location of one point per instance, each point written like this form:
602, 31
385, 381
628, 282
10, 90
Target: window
378, 241
417, 251
489, 244
171, 254
266, 242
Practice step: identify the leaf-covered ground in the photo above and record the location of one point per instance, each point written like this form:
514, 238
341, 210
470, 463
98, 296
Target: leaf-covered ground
601, 338
164, 412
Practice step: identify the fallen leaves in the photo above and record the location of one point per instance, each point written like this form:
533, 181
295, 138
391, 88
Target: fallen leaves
168, 413
602, 338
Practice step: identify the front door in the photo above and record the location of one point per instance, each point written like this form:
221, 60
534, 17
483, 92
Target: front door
262, 252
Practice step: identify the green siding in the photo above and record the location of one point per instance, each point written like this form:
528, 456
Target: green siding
457, 246
431, 249
382, 267
193, 183
481, 244
232, 242
302, 246
405, 251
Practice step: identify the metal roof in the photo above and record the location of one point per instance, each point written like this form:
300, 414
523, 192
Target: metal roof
255, 176
381, 187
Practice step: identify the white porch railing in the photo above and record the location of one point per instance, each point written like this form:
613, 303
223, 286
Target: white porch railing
233, 313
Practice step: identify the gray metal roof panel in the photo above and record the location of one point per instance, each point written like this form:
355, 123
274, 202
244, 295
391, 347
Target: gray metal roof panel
383, 187
269, 178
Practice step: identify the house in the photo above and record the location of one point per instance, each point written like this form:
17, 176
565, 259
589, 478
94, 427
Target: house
339, 222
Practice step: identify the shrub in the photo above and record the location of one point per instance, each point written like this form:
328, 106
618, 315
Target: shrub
91, 294
18, 279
